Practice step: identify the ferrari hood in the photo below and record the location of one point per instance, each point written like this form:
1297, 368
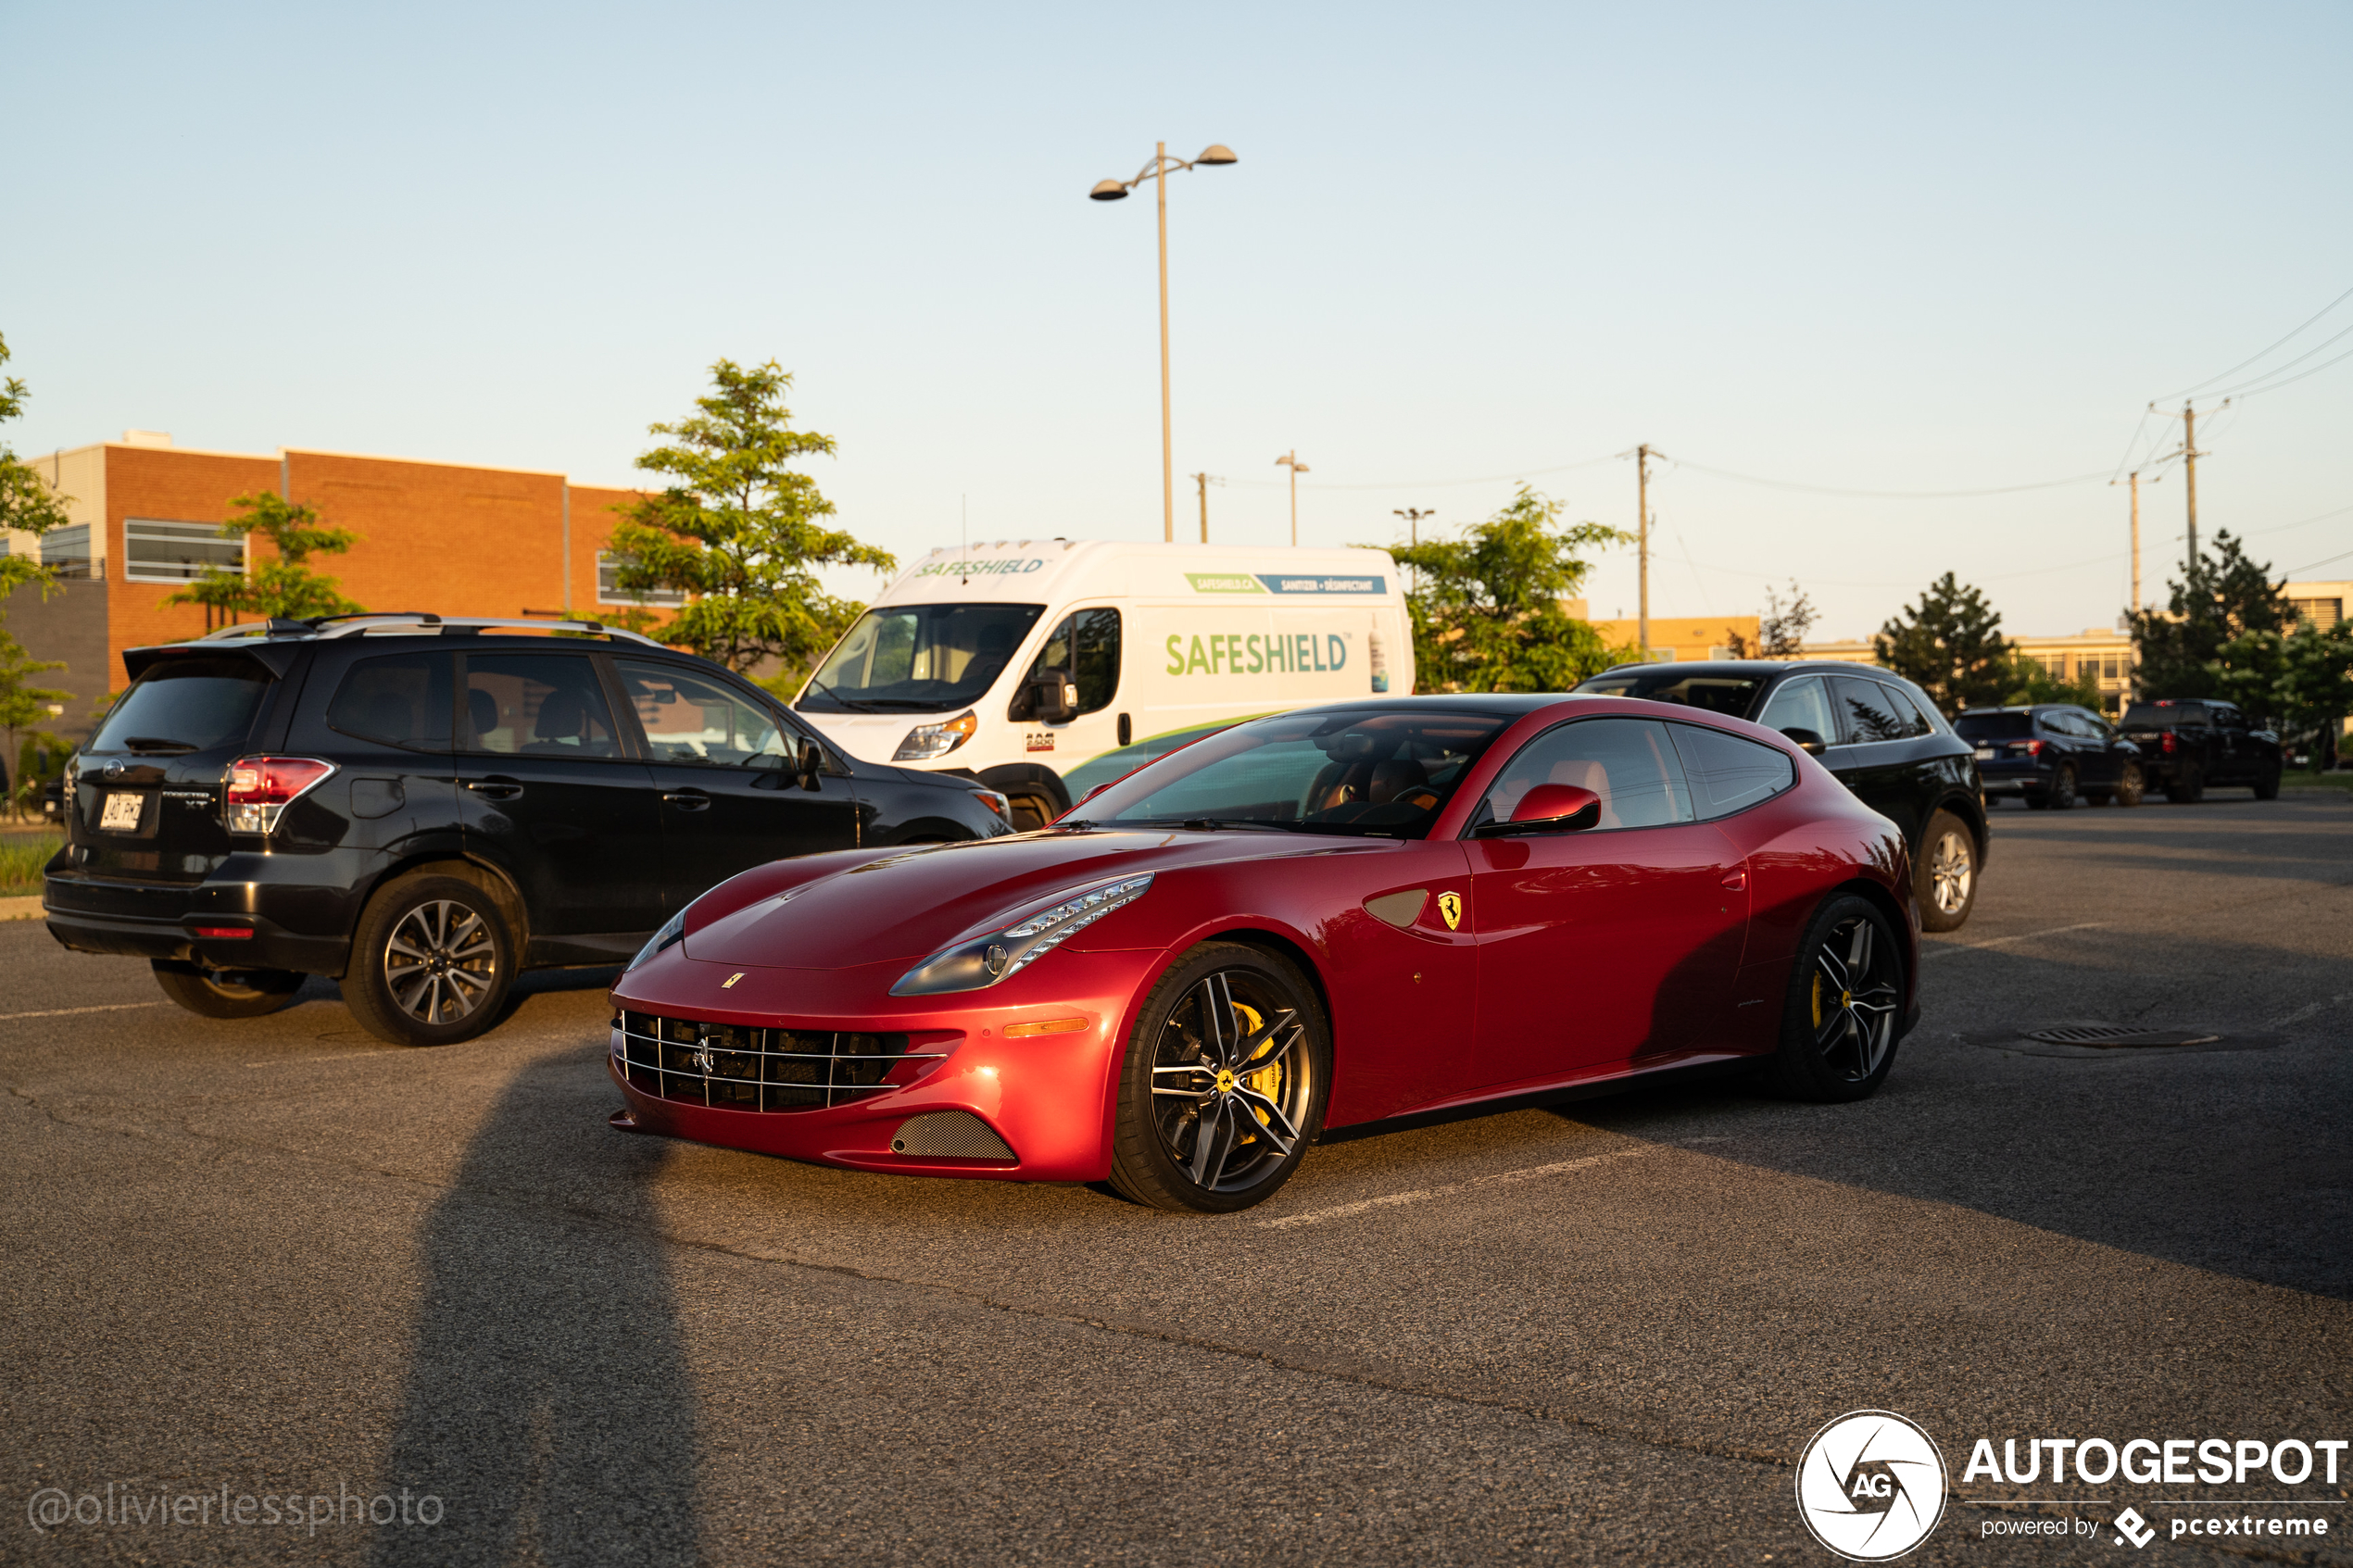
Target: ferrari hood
913, 904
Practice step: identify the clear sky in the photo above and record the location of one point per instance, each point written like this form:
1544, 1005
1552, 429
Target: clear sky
1868, 247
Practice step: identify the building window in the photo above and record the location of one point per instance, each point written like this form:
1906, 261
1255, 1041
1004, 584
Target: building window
608, 588
2111, 670
177, 552
66, 551
2323, 613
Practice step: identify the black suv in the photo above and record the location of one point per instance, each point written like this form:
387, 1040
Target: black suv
420, 808
2050, 753
1879, 732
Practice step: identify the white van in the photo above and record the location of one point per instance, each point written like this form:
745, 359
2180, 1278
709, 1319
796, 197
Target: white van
1018, 662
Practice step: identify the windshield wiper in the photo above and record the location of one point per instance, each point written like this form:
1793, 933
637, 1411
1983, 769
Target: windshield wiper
853, 706
153, 742
1213, 825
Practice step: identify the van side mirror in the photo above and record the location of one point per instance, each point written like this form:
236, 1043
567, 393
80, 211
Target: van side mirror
1548, 808
1057, 698
1808, 741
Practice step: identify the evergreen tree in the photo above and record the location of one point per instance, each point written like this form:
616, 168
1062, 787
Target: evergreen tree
1487, 616
2224, 595
739, 529
1951, 645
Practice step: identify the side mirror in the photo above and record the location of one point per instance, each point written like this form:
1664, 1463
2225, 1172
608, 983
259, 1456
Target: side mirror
1808, 741
809, 763
1057, 701
1548, 808
1092, 793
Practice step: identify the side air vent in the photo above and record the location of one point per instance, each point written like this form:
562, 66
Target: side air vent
950, 1135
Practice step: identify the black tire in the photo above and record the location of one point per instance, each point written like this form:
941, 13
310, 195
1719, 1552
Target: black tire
227, 993
1836, 1051
2267, 784
2063, 788
1182, 1147
1945, 877
2188, 786
2129, 785
457, 988
1033, 809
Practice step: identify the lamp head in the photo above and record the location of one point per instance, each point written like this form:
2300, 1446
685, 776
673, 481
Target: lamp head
1108, 191
1218, 155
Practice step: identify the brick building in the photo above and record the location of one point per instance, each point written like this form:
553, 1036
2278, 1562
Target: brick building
445, 537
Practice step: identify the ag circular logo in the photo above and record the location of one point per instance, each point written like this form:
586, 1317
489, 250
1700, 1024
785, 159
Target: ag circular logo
1870, 1485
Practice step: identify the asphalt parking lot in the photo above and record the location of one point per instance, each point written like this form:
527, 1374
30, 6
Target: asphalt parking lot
279, 1258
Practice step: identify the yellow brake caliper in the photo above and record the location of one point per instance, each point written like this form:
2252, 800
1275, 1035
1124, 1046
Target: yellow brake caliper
1818, 1001
1267, 1079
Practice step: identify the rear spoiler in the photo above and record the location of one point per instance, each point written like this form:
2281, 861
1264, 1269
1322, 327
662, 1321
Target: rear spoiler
275, 658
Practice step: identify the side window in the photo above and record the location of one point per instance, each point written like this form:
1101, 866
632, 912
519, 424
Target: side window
534, 704
1086, 643
1926, 705
1727, 772
1863, 712
402, 699
690, 718
1801, 705
1629, 762
1907, 714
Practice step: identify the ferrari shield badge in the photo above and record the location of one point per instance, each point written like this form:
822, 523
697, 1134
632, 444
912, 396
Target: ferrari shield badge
1450, 906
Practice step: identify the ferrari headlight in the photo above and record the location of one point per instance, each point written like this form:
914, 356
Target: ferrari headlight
928, 741
982, 961
673, 930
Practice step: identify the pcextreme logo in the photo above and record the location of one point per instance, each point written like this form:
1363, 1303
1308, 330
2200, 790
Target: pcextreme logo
1870, 1485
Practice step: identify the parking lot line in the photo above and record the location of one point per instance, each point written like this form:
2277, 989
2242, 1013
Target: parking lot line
1419, 1195
1946, 950
69, 1012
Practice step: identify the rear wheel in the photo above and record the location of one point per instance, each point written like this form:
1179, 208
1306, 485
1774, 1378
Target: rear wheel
2188, 786
2063, 788
2129, 785
227, 993
1845, 1003
432, 962
1224, 1082
2267, 784
1946, 878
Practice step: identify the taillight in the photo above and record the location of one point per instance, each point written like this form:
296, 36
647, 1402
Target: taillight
262, 787
2033, 748
2169, 740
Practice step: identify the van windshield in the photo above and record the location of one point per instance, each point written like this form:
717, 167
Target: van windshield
919, 658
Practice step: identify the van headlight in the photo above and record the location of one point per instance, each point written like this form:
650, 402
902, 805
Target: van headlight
674, 930
982, 961
928, 741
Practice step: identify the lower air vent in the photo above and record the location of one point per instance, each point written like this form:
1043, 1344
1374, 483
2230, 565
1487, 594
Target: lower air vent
950, 1135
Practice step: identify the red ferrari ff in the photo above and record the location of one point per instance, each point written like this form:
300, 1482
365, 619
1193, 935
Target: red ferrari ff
1324, 919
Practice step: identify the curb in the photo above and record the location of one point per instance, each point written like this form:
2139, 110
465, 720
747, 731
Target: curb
27, 908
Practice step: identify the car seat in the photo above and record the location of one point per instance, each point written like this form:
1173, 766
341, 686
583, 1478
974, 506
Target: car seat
565, 727
482, 716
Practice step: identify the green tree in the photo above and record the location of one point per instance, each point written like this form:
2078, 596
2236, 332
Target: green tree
1487, 616
739, 529
1781, 630
1951, 645
2295, 680
283, 586
26, 500
23, 706
2223, 595
2028, 681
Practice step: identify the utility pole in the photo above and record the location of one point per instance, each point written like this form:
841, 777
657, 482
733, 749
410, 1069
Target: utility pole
2134, 480
1643, 456
1290, 460
1203, 482
2189, 455
1167, 441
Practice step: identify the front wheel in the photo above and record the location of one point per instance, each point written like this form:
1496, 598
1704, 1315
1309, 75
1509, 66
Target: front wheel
1845, 1006
431, 964
227, 993
2188, 786
2267, 787
1223, 1083
1945, 879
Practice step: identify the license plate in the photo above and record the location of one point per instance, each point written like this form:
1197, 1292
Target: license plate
120, 813
1985, 754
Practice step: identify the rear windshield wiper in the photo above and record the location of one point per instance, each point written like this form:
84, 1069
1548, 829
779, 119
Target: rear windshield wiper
152, 743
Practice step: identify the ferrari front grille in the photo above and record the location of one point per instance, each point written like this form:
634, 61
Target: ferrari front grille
733, 1068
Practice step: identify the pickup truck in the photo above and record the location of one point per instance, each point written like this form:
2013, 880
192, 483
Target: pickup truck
2189, 743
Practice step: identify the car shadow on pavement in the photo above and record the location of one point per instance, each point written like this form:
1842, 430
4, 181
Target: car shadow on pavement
549, 1406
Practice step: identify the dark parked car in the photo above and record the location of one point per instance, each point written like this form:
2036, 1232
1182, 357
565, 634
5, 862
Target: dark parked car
2189, 743
421, 808
1878, 733
2048, 754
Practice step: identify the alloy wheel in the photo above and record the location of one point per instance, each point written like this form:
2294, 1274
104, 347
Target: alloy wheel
1951, 866
440, 962
1231, 1081
1856, 998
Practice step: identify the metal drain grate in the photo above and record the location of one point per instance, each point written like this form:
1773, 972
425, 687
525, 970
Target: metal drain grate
2120, 1035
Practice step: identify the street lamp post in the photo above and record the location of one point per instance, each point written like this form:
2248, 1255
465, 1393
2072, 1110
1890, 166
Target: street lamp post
1290, 460
1162, 166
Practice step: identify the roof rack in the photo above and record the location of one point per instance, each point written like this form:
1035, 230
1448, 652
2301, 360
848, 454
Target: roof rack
326, 626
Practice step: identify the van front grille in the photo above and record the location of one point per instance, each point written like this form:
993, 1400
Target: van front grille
735, 1068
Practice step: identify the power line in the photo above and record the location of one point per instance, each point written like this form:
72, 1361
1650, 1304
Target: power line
2244, 363
1436, 484
1890, 495
2274, 386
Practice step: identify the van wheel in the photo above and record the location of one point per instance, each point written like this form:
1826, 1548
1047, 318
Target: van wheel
1033, 811
431, 964
227, 993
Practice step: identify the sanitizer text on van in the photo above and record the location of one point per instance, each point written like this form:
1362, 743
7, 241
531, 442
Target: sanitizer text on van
1237, 654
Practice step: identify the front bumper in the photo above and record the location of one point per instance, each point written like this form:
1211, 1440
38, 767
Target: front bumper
1050, 1098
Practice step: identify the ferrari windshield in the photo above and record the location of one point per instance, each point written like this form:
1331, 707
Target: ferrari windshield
1368, 774
919, 658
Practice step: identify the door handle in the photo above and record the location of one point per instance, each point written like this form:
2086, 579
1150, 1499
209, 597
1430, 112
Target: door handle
494, 787
688, 799
1736, 881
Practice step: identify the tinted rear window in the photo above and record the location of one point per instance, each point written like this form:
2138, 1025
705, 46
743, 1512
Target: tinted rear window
1993, 726
1717, 694
1729, 773
2156, 715
184, 705
400, 700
